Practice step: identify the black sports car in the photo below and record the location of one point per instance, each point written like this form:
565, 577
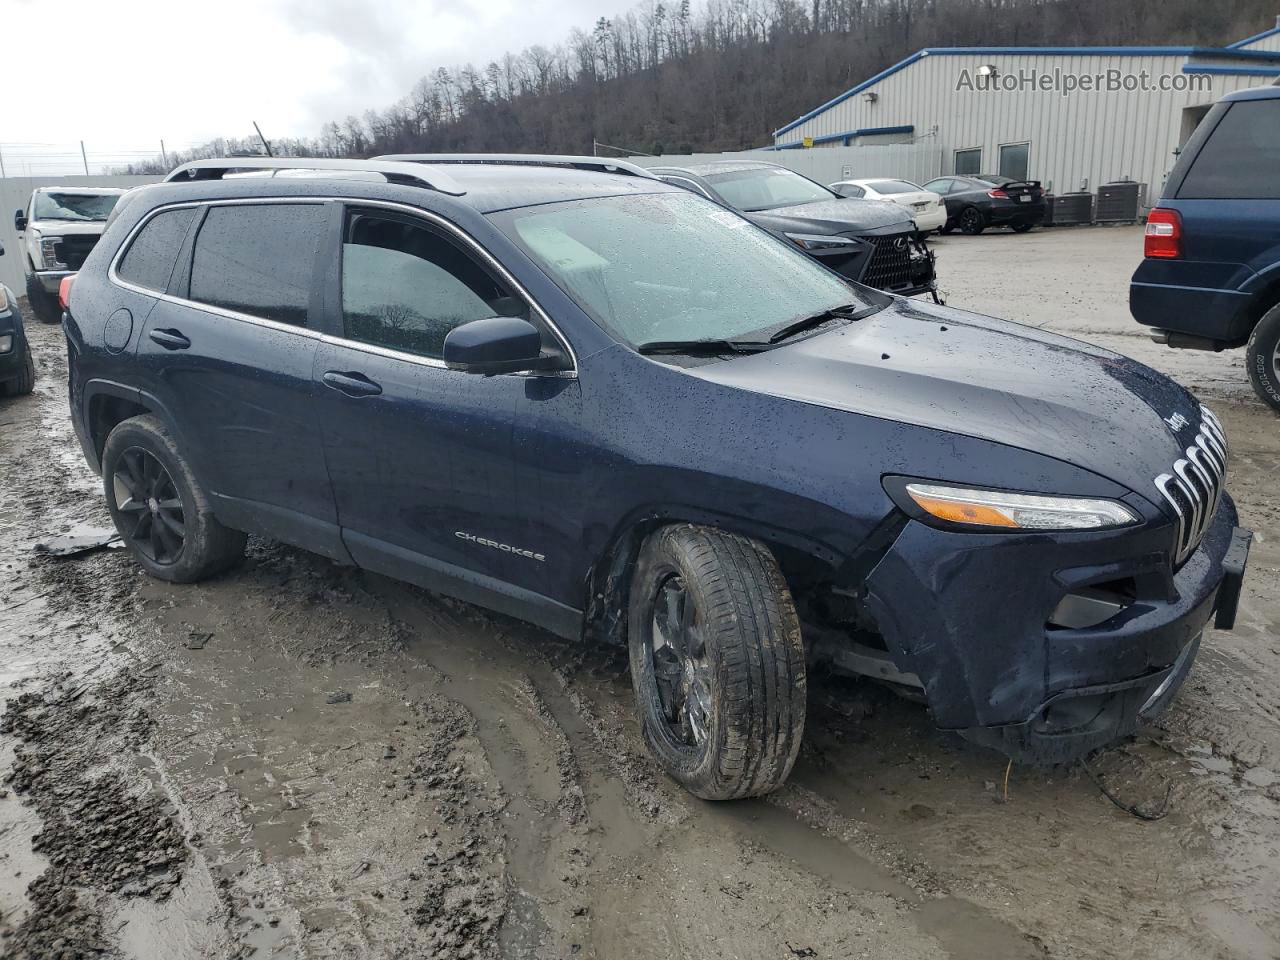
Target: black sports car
989, 200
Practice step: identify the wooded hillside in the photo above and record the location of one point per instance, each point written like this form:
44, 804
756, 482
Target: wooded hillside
673, 76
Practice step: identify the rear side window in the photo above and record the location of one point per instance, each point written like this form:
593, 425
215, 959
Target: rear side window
405, 286
1241, 159
150, 259
259, 259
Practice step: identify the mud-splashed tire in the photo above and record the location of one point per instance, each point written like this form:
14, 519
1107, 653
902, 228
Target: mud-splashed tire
1262, 357
25, 381
208, 548
754, 658
44, 307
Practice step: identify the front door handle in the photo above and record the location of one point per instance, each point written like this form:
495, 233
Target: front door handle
170, 339
351, 383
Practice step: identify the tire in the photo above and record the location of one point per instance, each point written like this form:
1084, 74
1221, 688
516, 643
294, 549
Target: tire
25, 382
971, 221
43, 307
743, 677
1021, 227
1262, 357
140, 502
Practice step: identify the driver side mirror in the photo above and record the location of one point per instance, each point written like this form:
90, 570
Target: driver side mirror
496, 345
20, 220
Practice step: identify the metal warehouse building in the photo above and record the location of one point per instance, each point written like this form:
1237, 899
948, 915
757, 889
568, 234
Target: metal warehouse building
1071, 117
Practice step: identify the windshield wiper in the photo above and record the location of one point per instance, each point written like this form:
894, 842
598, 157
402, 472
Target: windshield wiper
849, 311
702, 347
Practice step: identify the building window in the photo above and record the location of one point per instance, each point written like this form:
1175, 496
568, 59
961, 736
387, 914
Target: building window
968, 162
1015, 160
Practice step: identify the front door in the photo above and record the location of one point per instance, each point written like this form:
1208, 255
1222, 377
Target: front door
421, 457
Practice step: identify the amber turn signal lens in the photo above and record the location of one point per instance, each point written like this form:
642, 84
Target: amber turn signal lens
962, 512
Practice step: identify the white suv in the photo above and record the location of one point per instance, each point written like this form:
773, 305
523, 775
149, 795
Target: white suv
60, 226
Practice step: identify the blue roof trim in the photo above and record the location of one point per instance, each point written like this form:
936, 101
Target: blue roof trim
1223, 53
848, 135
1233, 71
1256, 37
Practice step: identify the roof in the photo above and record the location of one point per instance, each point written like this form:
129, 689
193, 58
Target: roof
1254, 39
487, 182
1233, 52
710, 168
1255, 93
87, 191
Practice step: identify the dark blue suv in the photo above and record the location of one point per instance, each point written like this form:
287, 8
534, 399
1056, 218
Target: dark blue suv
565, 390
1211, 276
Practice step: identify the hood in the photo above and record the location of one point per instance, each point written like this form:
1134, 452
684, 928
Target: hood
68, 228
834, 216
991, 379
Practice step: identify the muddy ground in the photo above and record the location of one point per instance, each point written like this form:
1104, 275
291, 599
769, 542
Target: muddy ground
303, 760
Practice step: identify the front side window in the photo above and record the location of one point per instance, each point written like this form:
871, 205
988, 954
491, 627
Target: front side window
968, 162
405, 286
75, 207
259, 259
1241, 159
672, 266
150, 259
763, 188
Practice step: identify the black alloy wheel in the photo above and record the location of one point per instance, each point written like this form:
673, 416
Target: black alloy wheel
678, 650
150, 507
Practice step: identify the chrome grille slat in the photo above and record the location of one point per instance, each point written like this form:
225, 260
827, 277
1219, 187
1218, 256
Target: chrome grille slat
1194, 487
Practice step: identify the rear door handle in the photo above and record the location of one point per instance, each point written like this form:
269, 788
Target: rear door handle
350, 383
170, 339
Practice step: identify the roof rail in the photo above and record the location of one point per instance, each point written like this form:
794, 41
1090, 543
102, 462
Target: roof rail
408, 174
598, 164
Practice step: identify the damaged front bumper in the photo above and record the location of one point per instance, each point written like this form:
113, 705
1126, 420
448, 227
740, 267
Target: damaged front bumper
973, 618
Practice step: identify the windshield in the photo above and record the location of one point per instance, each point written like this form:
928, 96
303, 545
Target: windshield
763, 188
74, 206
894, 186
673, 266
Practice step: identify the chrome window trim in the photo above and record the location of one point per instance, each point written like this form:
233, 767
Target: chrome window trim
435, 219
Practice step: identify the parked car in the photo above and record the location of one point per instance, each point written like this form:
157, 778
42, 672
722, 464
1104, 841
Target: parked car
17, 369
869, 241
563, 389
927, 209
60, 225
1210, 278
990, 200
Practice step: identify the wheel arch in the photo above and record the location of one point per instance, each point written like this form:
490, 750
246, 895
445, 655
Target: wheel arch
608, 580
107, 404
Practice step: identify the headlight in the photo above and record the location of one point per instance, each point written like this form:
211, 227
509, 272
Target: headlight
1018, 511
4, 299
49, 253
6, 342
821, 243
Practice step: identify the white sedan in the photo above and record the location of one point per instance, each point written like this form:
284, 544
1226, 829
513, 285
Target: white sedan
927, 208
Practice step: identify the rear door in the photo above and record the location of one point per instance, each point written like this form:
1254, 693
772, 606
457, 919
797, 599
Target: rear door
228, 356
423, 458
1228, 195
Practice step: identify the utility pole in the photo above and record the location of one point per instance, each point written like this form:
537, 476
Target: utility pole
164, 157
266, 146
85, 157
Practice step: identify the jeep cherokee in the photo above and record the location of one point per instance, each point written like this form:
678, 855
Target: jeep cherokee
567, 391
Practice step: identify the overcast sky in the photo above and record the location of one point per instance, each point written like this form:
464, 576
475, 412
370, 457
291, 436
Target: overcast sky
124, 75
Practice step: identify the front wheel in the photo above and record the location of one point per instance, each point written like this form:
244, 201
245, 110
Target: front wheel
43, 305
1021, 227
25, 381
1262, 356
159, 508
717, 661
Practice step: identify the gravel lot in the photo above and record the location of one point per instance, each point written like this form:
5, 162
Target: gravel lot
303, 760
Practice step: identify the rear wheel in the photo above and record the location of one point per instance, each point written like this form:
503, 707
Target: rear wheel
43, 305
1262, 356
972, 221
161, 511
717, 662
